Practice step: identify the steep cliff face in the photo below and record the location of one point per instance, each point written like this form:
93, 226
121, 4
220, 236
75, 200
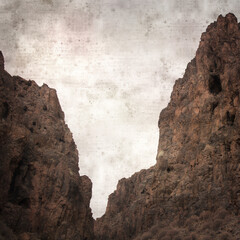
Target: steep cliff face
193, 191
42, 195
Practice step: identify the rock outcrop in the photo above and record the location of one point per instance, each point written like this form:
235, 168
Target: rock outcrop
193, 191
42, 195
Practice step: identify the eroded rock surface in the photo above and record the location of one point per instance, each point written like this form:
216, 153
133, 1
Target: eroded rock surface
193, 191
42, 195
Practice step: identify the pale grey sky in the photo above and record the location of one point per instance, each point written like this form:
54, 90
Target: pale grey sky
113, 63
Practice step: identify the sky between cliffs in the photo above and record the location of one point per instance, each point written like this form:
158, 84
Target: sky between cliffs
113, 63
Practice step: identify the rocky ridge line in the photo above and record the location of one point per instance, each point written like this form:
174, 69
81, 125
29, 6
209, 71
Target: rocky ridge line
193, 191
42, 195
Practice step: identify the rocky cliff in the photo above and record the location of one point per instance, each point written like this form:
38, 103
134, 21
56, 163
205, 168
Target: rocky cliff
193, 191
42, 195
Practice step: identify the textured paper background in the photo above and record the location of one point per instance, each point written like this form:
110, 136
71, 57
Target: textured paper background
113, 63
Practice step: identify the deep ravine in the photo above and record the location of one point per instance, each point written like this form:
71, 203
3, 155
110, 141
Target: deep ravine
192, 192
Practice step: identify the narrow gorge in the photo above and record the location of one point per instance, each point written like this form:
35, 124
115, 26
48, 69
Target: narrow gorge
193, 190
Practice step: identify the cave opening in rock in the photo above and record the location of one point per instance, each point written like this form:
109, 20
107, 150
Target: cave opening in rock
230, 118
25, 202
5, 111
214, 84
213, 106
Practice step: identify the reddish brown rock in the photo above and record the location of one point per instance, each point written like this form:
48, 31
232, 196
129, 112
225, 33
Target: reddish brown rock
42, 195
193, 191
1, 61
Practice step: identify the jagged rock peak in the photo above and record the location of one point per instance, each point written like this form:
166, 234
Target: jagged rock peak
1, 61
42, 195
193, 190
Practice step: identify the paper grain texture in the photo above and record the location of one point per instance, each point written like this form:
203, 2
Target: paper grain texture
113, 64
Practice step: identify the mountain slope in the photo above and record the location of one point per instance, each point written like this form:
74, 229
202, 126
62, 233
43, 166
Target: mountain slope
42, 195
193, 191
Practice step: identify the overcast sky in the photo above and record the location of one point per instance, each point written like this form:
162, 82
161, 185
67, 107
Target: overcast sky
113, 64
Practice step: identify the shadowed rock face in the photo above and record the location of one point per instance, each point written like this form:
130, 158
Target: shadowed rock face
193, 191
42, 195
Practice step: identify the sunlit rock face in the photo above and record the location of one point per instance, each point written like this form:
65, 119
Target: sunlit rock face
42, 195
193, 191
